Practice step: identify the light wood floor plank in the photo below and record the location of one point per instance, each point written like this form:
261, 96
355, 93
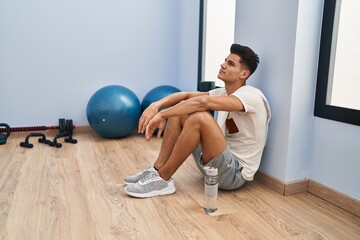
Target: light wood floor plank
77, 192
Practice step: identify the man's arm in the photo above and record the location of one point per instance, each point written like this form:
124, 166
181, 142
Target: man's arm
203, 103
166, 102
198, 103
175, 98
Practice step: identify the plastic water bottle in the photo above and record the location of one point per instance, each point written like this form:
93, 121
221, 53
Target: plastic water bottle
211, 189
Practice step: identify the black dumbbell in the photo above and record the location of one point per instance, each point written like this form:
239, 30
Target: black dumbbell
69, 129
40, 140
3, 137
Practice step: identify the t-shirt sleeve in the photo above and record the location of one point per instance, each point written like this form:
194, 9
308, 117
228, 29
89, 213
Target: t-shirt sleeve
250, 99
217, 92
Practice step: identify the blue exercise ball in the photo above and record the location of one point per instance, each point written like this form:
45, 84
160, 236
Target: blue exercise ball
156, 94
113, 111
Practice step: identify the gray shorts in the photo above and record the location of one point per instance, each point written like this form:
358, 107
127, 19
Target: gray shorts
228, 166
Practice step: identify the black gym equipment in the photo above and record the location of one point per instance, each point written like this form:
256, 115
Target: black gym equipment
3, 137
66, 129
32, 128
40, 140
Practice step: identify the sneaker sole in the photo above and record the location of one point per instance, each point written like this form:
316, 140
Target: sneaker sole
166, 191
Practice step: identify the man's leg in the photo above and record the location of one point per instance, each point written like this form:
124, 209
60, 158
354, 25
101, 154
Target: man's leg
199, 127
195, 128
171, 134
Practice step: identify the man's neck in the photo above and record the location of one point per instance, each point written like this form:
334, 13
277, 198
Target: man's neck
231, 88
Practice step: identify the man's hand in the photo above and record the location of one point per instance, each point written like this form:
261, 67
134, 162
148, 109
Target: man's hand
146, 116
157, 122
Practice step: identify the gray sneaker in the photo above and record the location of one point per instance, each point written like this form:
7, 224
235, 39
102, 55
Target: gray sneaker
135, 178
151, 185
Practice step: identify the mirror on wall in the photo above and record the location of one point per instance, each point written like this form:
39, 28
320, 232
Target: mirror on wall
338, 83
216, 34
344, 78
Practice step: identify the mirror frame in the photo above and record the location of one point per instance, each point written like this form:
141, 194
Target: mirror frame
322, 109
201, 45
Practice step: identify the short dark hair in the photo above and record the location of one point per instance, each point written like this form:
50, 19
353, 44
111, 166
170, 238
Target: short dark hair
247, 55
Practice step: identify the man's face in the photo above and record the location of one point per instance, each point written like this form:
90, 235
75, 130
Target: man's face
232, 70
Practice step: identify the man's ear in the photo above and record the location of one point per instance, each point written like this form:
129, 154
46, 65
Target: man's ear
245, 73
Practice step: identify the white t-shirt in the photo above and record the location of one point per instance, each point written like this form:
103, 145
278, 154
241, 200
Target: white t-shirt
246, 131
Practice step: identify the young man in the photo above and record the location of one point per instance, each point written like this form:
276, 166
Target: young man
234, 143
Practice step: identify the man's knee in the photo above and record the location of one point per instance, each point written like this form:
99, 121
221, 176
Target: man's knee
198, 118
174, 121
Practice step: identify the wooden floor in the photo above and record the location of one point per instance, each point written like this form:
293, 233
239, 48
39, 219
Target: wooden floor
76, 192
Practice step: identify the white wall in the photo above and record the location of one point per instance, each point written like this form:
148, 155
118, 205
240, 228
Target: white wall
55, 54
336, 158
188, 44
286, 34
269, 28
308, 31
